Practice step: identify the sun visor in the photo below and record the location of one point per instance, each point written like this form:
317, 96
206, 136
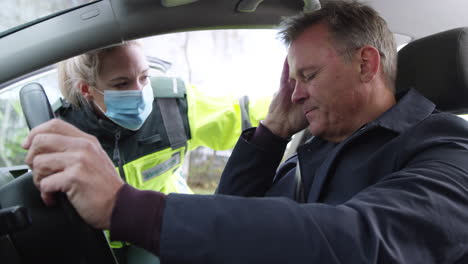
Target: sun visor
172, 3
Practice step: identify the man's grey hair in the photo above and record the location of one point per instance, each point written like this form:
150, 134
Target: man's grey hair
352, 25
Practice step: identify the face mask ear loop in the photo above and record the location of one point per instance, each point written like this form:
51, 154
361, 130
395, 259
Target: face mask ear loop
97, 105
100, 109
96, 89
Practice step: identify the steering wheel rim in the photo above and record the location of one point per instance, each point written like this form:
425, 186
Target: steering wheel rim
57, 234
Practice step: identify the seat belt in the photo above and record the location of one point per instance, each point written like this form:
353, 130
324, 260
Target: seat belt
299, 195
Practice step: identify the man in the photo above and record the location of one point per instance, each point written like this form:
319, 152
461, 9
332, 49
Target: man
384, 180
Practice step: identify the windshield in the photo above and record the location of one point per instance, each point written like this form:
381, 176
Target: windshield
18, 13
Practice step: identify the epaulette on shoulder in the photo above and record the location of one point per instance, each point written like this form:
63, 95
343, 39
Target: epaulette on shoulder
167, 87
60, 104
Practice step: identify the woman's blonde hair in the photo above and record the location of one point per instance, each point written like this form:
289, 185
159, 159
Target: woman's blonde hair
79, 69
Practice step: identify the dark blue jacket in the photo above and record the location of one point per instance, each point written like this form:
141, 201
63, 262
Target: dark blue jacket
396, 191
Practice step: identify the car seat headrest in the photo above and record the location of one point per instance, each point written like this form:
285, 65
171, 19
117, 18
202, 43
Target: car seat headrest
437, 67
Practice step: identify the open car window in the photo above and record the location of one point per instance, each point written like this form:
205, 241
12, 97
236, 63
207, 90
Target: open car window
218, 62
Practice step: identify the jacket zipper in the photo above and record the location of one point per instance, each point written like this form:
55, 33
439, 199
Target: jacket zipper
116, 155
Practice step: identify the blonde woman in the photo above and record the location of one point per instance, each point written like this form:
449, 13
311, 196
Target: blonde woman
144, 124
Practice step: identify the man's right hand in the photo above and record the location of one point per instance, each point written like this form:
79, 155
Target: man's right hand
285, 118
65, 159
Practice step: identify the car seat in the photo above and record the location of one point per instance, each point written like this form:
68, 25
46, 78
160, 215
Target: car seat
437, 67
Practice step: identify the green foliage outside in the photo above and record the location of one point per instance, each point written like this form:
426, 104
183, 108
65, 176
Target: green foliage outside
205, 168
13, 131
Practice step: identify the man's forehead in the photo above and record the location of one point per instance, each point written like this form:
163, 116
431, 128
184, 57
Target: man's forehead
312, 49
307, 59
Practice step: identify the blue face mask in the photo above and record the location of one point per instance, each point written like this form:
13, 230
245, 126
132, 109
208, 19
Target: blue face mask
128, 109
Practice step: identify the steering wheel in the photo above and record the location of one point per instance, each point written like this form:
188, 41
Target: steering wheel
57, 234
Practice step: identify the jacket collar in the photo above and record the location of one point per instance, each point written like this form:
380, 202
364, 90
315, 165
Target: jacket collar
411, 108
90, 122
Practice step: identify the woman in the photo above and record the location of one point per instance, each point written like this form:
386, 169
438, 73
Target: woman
146, 125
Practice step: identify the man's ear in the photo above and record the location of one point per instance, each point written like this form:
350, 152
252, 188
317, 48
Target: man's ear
85, 90
370, 62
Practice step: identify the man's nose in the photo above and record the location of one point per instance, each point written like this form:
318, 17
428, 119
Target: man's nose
299, 94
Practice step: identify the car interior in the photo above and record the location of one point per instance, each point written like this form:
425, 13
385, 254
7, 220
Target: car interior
435, 63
